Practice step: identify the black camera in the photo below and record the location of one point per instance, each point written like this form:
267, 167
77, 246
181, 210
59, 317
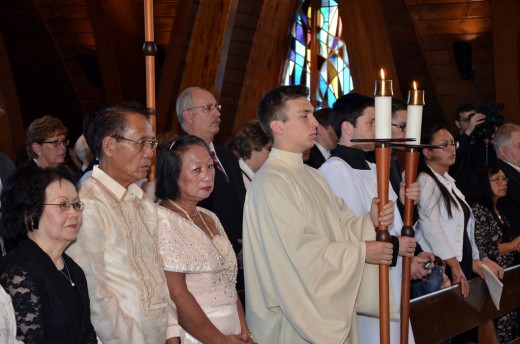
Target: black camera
484, 132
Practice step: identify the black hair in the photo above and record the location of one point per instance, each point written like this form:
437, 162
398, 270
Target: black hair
349, 108
398, 105
464, 108
110, 120
169, 165
323, 116
480, 186
23, 198
427, 138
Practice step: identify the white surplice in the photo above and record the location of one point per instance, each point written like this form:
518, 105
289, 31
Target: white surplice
357, 188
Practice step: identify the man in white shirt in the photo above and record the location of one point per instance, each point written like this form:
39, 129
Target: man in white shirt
117, 243
304, 251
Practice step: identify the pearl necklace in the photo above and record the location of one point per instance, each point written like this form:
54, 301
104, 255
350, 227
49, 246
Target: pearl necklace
229, 260
67, 276
211, 235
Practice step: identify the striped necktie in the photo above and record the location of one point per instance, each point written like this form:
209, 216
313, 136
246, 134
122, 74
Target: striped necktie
218, 165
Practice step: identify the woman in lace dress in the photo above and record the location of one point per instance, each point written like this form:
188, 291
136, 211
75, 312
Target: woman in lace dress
494, 235
41, 213
200, 263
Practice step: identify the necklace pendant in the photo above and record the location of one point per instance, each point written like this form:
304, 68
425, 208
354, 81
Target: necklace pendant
72, 284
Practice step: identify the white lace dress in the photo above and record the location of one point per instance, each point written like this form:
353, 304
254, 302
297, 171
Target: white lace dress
210, 267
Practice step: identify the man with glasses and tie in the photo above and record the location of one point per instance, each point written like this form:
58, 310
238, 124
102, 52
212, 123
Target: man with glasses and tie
117, 244
473, 152
199, 114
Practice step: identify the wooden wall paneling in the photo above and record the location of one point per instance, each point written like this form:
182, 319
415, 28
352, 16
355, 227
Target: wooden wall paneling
171, 74
118, 32
40, 76
453, 26
429, 2
368, 44
443, 42
453, 10
245, 22
506, 48
12, 132
267, 57
409, 57
208, 48
438, 25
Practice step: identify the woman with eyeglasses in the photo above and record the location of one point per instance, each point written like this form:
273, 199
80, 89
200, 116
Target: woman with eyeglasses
446, 224
199, 261
494, 235
46, 142
42, 214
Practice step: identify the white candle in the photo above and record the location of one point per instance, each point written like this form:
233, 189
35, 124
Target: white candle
383, 101
414, 115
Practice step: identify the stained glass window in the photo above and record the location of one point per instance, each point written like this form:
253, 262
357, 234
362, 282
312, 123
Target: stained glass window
332, 66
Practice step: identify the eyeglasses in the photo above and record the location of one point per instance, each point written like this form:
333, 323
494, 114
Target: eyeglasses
400, 126
448, 145
65, 206
207, 107
499, 180
151, 143
57, 143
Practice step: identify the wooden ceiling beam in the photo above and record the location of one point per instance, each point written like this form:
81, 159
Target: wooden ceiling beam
368, 44
172, 68
118, 32
267, 57
506, 48
209, 43
13, 132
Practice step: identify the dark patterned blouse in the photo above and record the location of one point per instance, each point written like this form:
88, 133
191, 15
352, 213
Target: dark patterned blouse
489, 232
51, 306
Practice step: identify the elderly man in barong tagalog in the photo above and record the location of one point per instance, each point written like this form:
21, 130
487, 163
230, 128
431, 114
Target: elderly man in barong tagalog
118, 243
304, 251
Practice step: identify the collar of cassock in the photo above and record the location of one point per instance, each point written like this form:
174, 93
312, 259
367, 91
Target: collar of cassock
356, 158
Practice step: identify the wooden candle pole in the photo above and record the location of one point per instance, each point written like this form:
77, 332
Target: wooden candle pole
412, 158
383, 153
413, 131
150, 49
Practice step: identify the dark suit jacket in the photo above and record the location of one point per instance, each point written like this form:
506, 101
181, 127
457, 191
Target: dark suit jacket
316, 159
6, 167
227, 199
510, 204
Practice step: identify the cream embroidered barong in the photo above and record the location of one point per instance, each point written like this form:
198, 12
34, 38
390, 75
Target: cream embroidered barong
117, 249
303, 256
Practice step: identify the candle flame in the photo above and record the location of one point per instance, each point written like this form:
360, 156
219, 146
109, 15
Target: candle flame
382, 74
414, 86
